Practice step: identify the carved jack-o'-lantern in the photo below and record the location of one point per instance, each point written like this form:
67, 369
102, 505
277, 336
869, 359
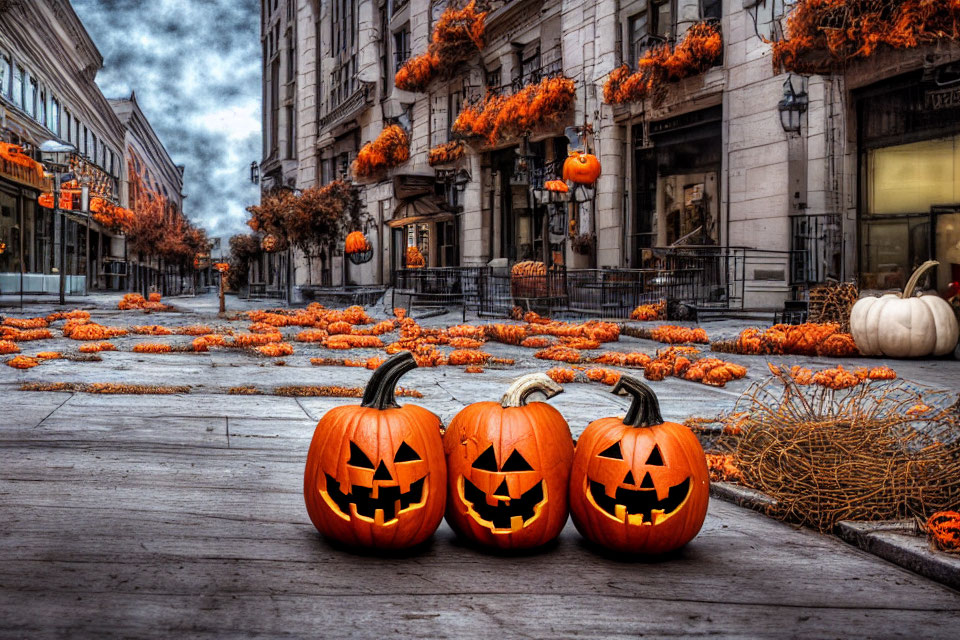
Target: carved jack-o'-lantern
508, 465
375, 473
639, 485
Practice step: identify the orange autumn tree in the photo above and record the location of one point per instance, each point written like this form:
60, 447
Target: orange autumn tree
323, 216
496, 117
458, 34
700, 49
390, 149
823, 35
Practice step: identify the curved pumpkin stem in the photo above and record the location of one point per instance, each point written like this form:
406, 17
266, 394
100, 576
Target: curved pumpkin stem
519, 392
644, 409
915, 278
380, 390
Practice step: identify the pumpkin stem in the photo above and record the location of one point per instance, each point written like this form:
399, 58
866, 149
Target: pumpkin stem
380, 390
915, 278
520, 390
644, 409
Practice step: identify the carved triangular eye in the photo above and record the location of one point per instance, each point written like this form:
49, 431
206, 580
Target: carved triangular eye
358, 458
613, 451
655, 457
486, 461
406, 454
516, 462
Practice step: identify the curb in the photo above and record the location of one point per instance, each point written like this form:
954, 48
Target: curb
895, 541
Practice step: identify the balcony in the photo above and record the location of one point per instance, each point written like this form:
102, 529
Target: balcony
348, 108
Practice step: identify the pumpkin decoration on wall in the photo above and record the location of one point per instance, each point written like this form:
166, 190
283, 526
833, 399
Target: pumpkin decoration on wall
508, 465
358, 248
639, 485
581, 168
375, 474
557, 186
900, 325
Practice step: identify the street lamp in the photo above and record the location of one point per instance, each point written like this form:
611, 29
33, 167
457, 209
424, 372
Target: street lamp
792, 107
254, 173
55, 156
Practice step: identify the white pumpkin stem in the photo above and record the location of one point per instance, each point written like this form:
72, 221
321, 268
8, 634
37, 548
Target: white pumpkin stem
521, 390
915, 278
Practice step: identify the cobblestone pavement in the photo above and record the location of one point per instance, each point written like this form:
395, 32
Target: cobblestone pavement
154, 516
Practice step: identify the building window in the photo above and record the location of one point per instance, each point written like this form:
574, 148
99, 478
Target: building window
530, 65
55, 116
4, 75
291, 59
32, 91
274, 107
711, 9
343, 81
494, 78
42, 108
662, 19
454, 106
69, 123
18, 86
401, 46
291, 134
637, 33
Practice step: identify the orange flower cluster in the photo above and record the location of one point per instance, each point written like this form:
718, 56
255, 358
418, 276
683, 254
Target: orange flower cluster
646, 312
105, 388
633, 359
49, 355
390, 149
27, 335
506, 333
467, 331
76, 314
326, 391
92, 331
592, 330
837, 378
605, 376
203, 343
561, 375
312, 335
943, 527
824, 35
339, 327
467, 356
95, 347
275, 349
22, 362
414, 258
154, 297
535, 342
473, 369
194, 330
346, 341
152, 347
722, 468
673, 334
150, 330
559, 353
446, 153
133, 301
115, 218
7, 347
457, 35
808, 339
710, 371
25, 323
380, 328
700, 49
497, 118
243, 340
577, 342
222, 267
465, 343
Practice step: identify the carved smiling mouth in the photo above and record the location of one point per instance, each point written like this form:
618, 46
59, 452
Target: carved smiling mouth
382, 509
639, 506
510, 514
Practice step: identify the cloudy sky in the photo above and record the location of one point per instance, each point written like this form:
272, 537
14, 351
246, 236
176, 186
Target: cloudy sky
195, 66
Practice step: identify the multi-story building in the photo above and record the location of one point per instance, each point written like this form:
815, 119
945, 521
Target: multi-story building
48, 64
771, 180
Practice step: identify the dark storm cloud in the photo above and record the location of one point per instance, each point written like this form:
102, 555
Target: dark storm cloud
195, 66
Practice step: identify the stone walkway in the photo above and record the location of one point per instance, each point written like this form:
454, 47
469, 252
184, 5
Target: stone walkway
167, 516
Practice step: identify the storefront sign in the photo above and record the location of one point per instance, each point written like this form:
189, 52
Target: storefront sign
21, 168
943, 99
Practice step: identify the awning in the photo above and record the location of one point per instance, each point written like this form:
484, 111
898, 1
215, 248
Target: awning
422, 209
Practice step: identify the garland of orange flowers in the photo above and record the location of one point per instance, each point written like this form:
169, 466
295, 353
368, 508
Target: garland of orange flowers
645, 312
506, 333
673, 334
92, 331
346, 341
837, 378
325, 391
465, 343
150, 330
243, 340
105, 388
497, 118
201, 344
633, 359
275, 349
535, 342
194, 330
7, 347
457, 35
446, 153
559, 353
76, 314
95, 347
133, 301
700, 49
312, 335
390, 149
115, 218
151, 347
824, 35
808, 339
28, 335
25, 323
467, 331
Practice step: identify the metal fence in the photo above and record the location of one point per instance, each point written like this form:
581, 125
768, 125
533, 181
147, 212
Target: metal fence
692, 280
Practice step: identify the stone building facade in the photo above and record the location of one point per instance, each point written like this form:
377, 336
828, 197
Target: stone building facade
710, 162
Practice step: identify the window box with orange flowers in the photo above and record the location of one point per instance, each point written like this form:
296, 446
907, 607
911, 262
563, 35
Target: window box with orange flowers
390, 149
457, 36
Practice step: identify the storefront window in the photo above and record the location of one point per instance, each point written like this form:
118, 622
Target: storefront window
905, 184
9, 259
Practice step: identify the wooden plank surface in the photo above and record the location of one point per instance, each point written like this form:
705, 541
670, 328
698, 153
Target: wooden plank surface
128, 516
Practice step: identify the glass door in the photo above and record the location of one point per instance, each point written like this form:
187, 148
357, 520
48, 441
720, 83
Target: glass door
945, 220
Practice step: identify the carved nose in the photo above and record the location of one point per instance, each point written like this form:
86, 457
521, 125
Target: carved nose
647, 482
502, 491
382, 473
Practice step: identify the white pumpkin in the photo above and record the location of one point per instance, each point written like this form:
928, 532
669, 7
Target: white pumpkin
900, 325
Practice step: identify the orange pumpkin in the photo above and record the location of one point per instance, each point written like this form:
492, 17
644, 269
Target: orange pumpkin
581, 168
375, 475
508, 465
356, 242
639, 484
